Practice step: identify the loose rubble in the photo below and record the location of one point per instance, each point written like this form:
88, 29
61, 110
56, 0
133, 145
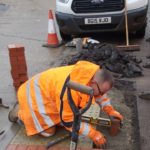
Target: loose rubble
109, 57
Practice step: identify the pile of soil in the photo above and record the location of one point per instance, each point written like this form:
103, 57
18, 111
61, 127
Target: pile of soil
107, 56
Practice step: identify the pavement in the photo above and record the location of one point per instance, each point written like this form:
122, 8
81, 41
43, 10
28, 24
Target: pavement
26, 22
22, 22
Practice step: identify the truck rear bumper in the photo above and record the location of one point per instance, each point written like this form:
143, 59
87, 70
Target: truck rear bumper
74, 25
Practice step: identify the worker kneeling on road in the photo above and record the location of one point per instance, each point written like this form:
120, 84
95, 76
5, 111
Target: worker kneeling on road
39, 99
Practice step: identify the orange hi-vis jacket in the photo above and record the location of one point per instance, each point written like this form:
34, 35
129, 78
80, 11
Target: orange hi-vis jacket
39, 97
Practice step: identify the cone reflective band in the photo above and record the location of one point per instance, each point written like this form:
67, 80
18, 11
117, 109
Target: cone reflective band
52, 36
52, 39
51, 25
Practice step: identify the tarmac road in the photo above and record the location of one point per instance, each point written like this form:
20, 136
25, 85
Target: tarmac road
26, 22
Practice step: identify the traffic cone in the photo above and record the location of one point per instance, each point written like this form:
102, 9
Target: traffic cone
52, 39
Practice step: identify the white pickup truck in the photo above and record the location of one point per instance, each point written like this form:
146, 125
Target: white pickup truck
81, 17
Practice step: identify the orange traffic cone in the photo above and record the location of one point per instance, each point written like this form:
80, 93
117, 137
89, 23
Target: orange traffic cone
52, 39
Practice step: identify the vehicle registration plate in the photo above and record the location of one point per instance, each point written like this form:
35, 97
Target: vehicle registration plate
102, 20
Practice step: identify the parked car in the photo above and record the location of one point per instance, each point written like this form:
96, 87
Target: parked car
81, 17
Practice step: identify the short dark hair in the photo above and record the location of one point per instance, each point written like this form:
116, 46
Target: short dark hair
104, 75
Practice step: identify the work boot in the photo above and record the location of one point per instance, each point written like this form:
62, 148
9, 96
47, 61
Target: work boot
13, 114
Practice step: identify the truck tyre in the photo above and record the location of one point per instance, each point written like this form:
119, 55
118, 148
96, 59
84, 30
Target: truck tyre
66, 37
141, 32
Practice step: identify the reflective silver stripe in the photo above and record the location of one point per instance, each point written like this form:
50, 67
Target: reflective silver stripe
86, 129
35, 120
46, 134
39, 102
105, 103
99, 100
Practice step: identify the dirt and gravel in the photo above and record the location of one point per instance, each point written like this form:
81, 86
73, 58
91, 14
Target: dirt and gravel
109, 57
129, 91
123, 95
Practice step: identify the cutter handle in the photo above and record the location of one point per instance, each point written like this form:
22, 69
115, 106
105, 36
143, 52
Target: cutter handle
80, 88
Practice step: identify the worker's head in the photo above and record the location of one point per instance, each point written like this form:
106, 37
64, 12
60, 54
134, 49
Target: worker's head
101, 82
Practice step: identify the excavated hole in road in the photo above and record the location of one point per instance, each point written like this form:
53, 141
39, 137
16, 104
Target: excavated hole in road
109, 57
129, 91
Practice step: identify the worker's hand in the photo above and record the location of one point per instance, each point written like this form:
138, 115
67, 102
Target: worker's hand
112, 112
97, 137
99, 140
115, 114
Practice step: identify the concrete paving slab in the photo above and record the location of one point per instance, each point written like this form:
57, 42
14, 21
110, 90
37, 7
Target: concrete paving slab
23, 22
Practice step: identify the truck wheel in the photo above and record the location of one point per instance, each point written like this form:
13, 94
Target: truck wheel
141, 32
65, 37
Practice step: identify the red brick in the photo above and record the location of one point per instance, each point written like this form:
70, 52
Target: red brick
22, 64
21, 59
38, 147
14, 75
34, 147
21, 147
41, 148
16, 50
23, 78
15, 64
11, 147
13, 60
19, 70
12, 50
14, 67
11, 47
16, 46
22, 71
13, 54
16, 88
16, 83
20, 53
19, 47
23, 74
14, 70
23, 67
